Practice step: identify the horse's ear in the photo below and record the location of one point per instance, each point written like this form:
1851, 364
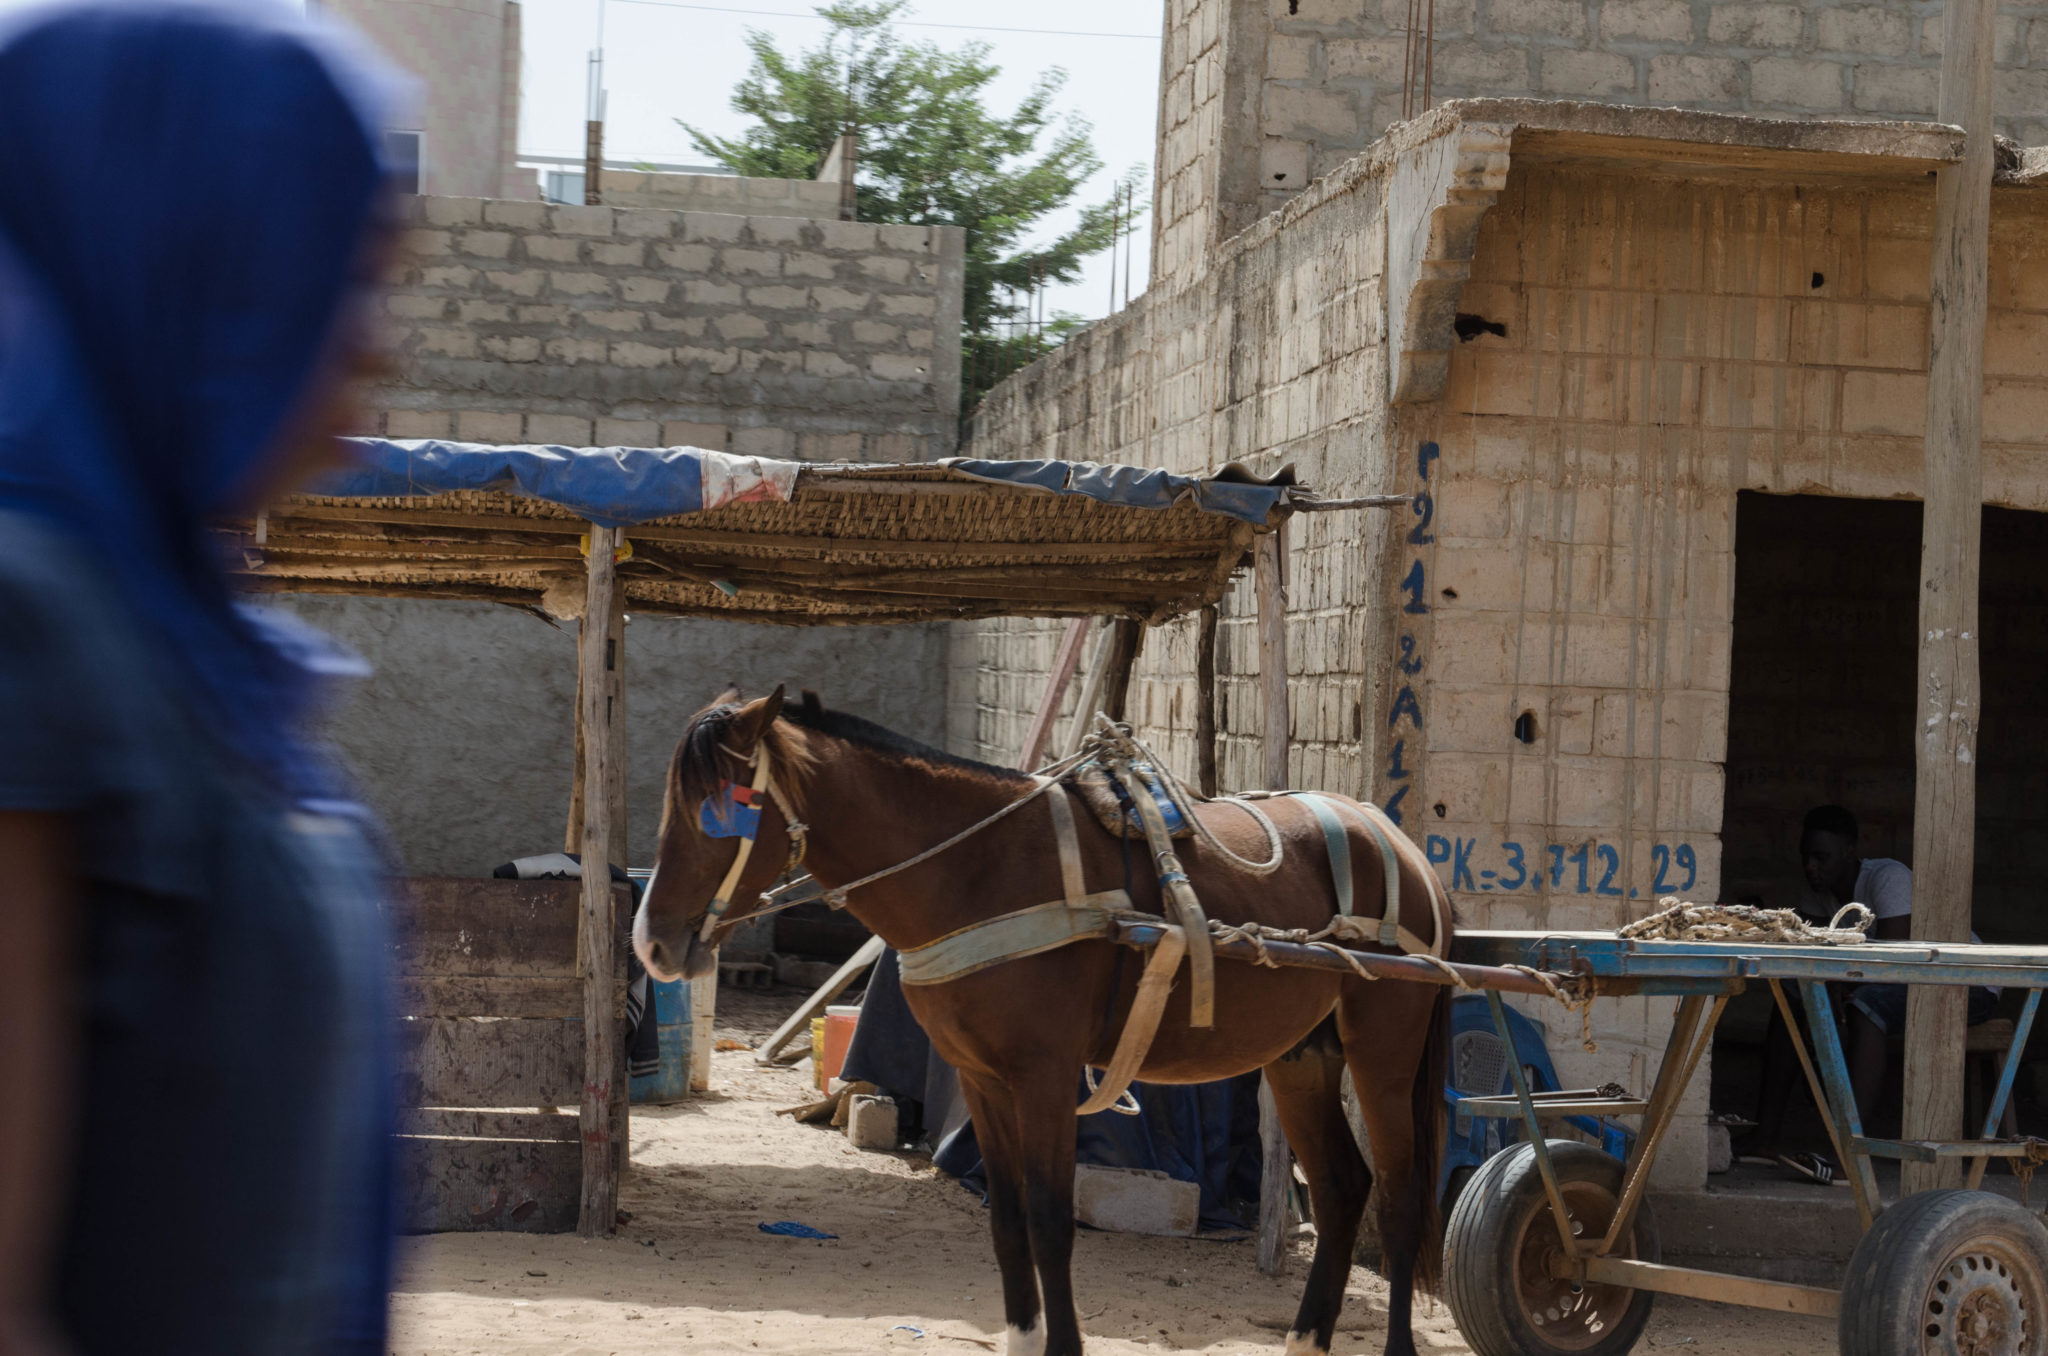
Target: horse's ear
750, 723
813, 708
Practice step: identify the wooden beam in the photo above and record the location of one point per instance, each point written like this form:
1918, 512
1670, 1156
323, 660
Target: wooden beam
597, 1214
1205, 702
1065, 660
1270, 582
870, 952
1126, 638
1945, 788
1268, 560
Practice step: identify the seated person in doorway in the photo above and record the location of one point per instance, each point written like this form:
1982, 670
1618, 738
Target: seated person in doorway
1874, 1012
1837, 873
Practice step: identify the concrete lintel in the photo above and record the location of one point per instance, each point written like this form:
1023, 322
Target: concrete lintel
1437, 194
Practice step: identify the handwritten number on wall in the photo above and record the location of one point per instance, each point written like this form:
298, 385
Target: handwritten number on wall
1570, 866
1415, 584
1424, 508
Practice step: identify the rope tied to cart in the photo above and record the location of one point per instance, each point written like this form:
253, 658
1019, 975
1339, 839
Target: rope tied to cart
1679, 921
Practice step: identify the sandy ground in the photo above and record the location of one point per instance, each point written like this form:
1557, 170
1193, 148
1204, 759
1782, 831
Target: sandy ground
690, 1271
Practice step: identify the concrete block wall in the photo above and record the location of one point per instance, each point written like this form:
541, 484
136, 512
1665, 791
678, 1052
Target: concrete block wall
734, 194
1274, 358
1312, 83
771, 336
464, 738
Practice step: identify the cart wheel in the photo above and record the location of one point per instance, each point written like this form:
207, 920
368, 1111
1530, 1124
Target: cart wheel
1948, 1273
1499, 1244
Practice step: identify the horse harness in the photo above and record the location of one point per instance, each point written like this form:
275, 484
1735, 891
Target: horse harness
1079, 914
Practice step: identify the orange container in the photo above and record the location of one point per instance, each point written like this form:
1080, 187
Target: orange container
839, 1023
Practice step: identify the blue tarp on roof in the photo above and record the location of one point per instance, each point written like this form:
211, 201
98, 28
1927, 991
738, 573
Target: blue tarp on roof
621, 486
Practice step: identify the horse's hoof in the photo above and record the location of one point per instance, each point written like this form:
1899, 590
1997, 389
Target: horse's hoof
1305, 1344
1025, 1341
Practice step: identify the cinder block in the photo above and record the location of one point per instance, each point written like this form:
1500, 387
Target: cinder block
1756, 25
1646, 20
1135, 1201
1695, 80
418, 424
558, 430
1866, 29
1546, 18
482, 426
684, 433
873, 1123
628, 433
1896, 89
1785, 82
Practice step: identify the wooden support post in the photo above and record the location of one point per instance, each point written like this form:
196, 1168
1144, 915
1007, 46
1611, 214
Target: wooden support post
1945, 790
1268, 564
1125, 640
1205, 702
1268, 560
600, 1032
1064, 662
1089, 700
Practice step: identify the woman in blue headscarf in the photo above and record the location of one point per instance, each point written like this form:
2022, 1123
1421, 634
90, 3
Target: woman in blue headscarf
195, 1094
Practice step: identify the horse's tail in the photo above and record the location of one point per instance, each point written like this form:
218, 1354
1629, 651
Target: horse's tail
1426, 1117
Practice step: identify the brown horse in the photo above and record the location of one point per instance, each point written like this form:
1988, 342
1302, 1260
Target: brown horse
1019, 1031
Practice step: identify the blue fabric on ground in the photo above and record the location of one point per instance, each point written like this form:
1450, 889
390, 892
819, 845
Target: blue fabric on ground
789, 1228
1136, 486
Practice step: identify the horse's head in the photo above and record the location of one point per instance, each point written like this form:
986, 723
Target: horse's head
724, 833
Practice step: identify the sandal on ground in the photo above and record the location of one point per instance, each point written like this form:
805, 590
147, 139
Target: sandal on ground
1811, 1167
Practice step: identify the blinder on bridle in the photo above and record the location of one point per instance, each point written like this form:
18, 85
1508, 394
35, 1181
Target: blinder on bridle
734, 811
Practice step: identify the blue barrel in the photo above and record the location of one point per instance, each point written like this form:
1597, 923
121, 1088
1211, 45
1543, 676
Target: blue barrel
671, 1081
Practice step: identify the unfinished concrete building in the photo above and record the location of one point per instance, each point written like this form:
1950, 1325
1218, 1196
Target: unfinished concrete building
1653, 381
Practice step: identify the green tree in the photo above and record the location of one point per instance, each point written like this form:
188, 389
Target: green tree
931, 152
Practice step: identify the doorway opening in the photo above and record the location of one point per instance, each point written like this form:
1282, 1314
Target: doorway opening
1821, 710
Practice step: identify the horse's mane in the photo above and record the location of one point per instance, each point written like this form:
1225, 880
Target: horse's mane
697, 770
844, 725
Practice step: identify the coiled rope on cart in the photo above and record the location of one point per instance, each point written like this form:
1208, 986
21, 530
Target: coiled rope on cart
1678, 921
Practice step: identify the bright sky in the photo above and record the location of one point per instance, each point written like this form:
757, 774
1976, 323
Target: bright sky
666, 60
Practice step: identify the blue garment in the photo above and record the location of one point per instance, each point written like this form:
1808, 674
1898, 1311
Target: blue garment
229, 1189
182, 228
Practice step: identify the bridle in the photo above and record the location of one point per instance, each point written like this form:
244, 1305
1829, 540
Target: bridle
799, 832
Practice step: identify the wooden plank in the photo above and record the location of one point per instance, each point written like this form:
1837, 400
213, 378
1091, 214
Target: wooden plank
596, 658
870, 952
452, 926
490, 996
1089, 700
1126, 639
1064, 662
1267, 561
464, 1123
1945, 789
1718, 1286
449, 1185
764, 543
1276, 1172
1205, 702
471, 1062
703, 1017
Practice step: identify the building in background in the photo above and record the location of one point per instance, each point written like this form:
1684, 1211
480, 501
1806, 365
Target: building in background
465, 55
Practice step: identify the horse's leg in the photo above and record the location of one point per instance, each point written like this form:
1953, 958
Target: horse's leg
995, 1128
1387, 1031
1307, 1085
1044, 1105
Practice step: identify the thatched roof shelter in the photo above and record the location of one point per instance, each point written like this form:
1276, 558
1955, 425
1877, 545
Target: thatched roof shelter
748, 539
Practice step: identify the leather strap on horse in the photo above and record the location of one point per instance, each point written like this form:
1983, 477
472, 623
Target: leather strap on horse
1143, 1023
1180, 896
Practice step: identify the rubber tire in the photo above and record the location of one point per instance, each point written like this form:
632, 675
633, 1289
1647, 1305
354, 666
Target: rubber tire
1887, 1291
1483, 1240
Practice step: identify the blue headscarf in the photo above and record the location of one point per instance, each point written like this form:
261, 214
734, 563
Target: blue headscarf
183, 219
